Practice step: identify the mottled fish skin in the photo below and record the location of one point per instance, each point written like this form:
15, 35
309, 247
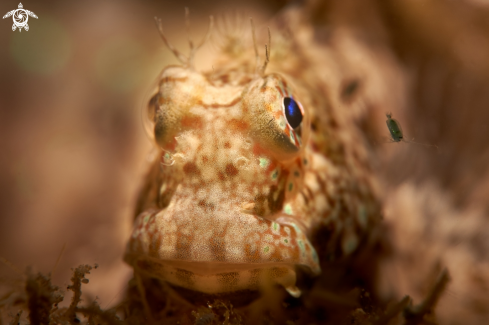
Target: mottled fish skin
238, 199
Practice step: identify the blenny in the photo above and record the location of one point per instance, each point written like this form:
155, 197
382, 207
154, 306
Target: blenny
256, 177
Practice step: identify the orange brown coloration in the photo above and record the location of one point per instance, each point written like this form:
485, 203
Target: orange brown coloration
245, 193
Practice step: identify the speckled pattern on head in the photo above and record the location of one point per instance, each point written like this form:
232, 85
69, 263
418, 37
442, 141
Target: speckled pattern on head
238, 199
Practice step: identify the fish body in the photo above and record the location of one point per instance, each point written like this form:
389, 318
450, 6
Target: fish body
257, 178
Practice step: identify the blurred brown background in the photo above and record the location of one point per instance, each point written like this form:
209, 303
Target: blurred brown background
73, 147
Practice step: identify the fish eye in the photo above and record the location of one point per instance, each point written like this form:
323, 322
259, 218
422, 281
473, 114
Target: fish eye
293, 112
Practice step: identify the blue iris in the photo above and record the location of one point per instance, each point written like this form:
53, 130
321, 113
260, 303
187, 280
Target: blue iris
292, 112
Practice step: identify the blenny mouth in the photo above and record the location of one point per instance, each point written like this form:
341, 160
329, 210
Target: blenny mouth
156, 298
242, 253
220, 279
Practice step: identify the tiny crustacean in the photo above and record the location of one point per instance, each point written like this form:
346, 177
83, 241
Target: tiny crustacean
244, 192
394, 128
396, 132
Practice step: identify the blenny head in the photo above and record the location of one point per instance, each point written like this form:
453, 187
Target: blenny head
231, 158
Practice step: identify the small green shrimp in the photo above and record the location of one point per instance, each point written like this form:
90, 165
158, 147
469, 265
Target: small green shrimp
394, 128
396, 132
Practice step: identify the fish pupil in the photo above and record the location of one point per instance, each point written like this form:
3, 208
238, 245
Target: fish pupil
293, 112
